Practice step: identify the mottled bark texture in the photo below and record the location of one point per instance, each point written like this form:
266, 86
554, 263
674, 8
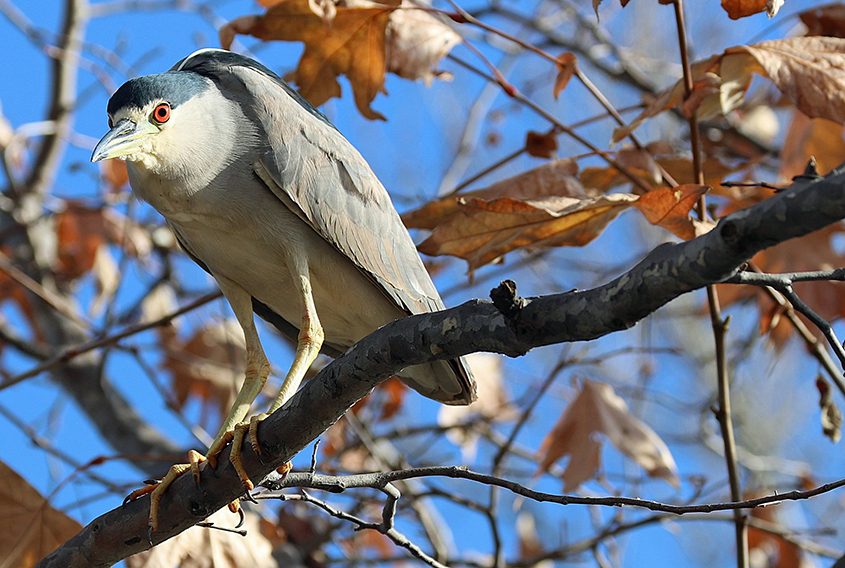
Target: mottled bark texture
511, 326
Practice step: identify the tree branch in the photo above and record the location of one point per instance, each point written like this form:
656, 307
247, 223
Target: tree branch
512, 327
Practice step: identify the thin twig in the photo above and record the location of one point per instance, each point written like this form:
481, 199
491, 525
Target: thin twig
718, 323
378, 480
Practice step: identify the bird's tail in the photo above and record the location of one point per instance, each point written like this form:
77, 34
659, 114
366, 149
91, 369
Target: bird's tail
449, 382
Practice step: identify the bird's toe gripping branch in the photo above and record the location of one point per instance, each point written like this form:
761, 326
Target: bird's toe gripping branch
156, 490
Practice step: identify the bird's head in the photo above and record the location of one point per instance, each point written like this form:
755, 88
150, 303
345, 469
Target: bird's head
166, 124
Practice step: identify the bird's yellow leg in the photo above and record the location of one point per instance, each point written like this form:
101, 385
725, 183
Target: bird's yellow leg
257, 371
308, 345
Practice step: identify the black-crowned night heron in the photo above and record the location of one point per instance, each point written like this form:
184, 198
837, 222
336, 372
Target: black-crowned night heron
269, 198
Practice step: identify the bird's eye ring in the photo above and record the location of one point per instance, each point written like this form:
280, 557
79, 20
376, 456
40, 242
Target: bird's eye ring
161, 113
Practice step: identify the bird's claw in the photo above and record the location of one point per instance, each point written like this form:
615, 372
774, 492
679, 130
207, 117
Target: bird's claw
156, 489
253, 432
247, 430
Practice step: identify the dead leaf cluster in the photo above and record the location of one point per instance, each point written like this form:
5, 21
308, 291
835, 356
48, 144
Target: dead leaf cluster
809, 71
359, 39
84, 235
544, 207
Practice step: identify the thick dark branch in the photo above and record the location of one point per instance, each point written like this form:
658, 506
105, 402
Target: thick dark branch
666, 273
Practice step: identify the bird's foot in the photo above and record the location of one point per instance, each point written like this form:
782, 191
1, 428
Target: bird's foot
157, 489
243, 430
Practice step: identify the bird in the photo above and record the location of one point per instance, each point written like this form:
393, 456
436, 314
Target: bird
265, 194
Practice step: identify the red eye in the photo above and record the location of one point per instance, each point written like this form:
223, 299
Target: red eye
161, 113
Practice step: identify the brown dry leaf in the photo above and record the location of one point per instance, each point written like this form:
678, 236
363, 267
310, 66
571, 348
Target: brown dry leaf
828, 20
567, 64
482, 231
353, 45
541, 145
831, 416
210, 365
598, 409
543, 207
492, 405
811, 137
29, 527
737, 9
416, 42
81, 231
810, 71
553, 178
670, 207
200, 547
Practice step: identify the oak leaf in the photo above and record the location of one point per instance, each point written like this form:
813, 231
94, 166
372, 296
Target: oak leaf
82, 230
553, 178
544, 207
598, 409
670, 207
29, 527
354, 44
484, 230
357, 38
810, 71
